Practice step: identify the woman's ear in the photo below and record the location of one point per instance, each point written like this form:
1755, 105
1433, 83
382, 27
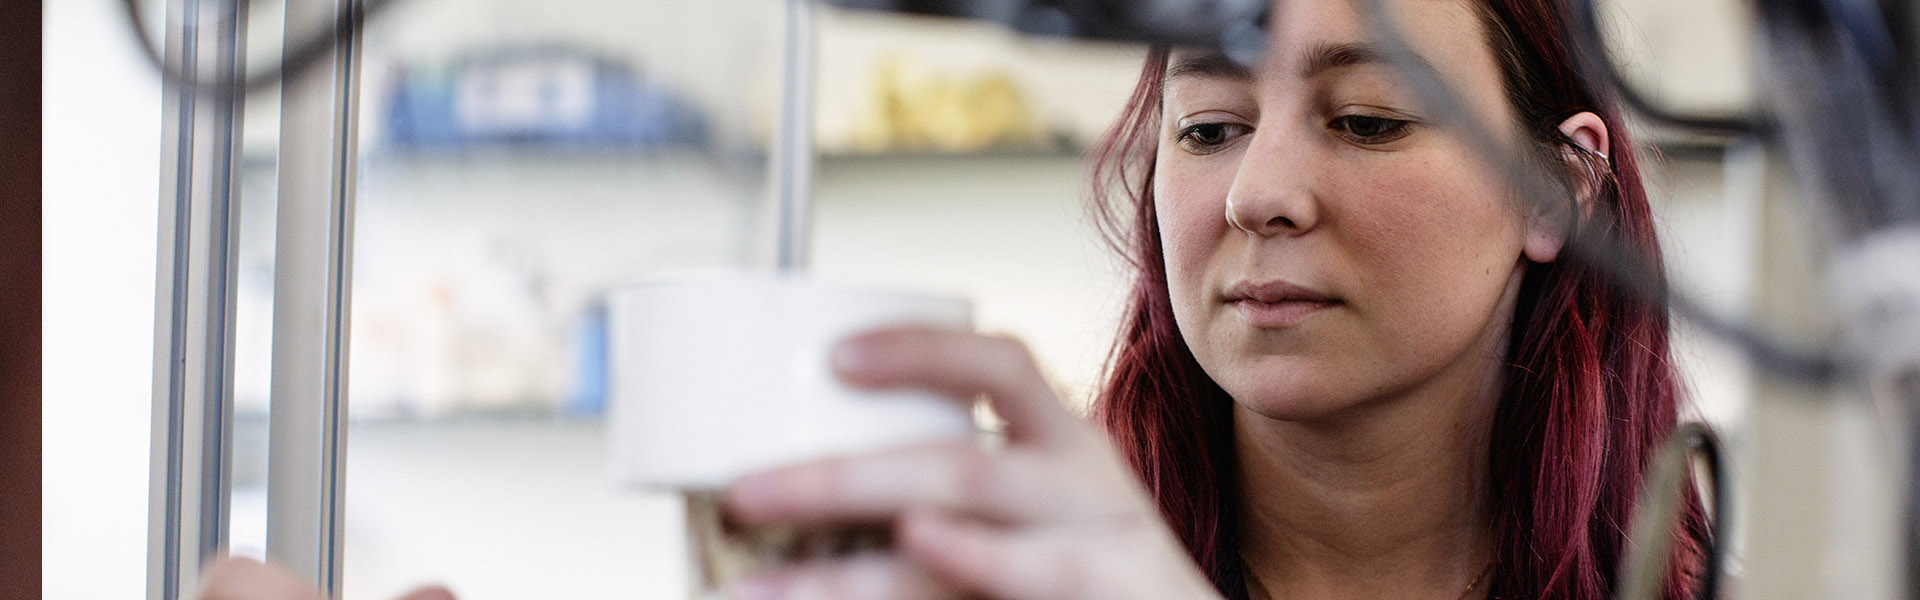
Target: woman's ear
1547, 228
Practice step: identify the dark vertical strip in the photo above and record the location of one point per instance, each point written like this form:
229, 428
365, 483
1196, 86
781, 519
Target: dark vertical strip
182, 211
346, 77
217, 408
20, 52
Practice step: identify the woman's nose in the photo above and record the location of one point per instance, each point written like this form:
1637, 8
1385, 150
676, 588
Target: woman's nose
1271, 193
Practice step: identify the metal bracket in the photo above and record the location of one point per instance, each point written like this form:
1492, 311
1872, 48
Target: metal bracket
190, 489
313, 254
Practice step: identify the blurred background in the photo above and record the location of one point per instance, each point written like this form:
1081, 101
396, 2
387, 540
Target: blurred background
518, 160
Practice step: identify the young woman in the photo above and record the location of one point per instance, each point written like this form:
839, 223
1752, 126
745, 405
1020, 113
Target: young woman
1355, 364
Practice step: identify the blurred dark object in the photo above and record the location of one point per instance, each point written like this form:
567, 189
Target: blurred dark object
298, 53
1844, 92
1235, 26
20, 279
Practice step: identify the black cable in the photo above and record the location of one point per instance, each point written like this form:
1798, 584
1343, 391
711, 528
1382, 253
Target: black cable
1596, 245
1639, 279
1598, 248
1847, 118
1593, 55
298, 56
1669, 493
1703, 444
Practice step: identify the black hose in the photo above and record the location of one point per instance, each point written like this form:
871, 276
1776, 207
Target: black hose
298, 56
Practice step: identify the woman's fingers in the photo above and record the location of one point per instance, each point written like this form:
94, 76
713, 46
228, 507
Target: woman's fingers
1100, 557
873, 577
963, 364
1054, 514
431, 592
1006, 486
993, 561
242, 578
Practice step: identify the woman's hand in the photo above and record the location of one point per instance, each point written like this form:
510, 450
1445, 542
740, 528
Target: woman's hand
249, 579
1053, 515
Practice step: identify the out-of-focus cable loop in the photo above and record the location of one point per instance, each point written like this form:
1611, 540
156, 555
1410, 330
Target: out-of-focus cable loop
1868, 194
1594, 243
1657, 515
1591, 51
1877, 281
298, 54
1844, 87
1843, 111
1874, 38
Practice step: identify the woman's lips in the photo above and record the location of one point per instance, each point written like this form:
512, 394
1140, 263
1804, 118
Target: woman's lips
1276, 304
1285, 313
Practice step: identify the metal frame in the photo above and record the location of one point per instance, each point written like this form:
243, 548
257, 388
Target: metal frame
793, 161
307, 438
190, 485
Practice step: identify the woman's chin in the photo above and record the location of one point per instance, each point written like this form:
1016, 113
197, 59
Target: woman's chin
1293, 409
1292, 397
1292, 386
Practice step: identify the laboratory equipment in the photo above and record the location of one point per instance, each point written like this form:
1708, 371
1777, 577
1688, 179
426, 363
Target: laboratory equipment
1843, 105
703, 362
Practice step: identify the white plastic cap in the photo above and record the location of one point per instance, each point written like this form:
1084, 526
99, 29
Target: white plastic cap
717, 376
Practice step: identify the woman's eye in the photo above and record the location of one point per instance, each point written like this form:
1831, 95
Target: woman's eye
1370, 130
1207, 138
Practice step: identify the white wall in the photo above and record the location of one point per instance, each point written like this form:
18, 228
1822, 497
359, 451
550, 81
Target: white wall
100, 196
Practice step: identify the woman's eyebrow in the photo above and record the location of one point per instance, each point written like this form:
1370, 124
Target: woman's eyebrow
1206, 63
1319, 59
1326, 57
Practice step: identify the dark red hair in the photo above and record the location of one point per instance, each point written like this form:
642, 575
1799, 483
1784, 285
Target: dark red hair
1590, 389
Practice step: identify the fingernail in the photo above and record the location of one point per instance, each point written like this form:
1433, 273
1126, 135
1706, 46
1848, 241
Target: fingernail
748, 492
753, 588
920, 527
430, 593
853, 355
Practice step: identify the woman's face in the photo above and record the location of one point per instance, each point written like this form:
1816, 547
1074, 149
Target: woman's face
1328, 245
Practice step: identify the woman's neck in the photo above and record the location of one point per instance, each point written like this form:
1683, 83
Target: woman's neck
1389, 501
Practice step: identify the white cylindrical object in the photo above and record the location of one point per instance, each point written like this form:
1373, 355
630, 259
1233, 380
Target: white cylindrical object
714, 377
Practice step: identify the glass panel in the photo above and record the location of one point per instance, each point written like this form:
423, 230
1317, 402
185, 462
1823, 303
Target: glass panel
518, 161
253, 295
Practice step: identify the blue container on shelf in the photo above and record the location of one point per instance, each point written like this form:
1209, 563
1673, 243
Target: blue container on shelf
546, 96
589, 395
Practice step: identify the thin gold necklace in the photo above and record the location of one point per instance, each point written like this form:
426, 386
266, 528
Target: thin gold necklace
1464, 594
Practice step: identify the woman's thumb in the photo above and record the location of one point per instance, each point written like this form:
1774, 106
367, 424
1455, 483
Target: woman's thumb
432, 592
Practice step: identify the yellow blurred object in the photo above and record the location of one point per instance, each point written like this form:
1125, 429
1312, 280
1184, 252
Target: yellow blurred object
917, 108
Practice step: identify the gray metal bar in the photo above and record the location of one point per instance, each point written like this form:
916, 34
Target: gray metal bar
190, 485
793, 155
306, 469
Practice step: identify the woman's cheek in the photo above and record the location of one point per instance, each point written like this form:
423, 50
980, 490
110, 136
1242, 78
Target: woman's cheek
1191, 221
1191, 218
1437, 253
1184, 273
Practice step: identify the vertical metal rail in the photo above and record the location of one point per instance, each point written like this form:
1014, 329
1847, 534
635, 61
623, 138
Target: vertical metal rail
194, 296
793, 152
313, 254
